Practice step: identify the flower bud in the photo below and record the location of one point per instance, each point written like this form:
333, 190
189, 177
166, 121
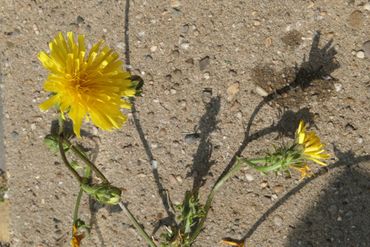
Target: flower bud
103, 193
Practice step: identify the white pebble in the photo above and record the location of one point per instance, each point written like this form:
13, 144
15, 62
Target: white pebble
185, 45
249, 177
360, 140
260, 91
360, 54
338, 87
35, 29
153, 48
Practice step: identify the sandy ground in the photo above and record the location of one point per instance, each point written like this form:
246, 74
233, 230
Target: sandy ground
206, 66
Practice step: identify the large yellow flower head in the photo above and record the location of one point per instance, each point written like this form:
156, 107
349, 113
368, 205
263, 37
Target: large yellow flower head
89, 85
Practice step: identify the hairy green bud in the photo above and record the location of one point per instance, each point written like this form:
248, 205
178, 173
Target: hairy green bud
103, 193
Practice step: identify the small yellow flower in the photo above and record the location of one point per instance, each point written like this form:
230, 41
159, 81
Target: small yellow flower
76, 237
86, 85
313, 149
233, 243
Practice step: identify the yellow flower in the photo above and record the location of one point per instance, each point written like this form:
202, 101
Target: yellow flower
311, 147
76, 237
86, 85
233, 243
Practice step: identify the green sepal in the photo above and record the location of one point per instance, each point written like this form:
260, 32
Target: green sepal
52, 142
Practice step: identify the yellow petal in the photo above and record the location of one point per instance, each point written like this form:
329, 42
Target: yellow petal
77, 114
53, 100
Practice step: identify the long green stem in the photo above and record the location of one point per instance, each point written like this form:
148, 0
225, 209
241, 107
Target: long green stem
137, 225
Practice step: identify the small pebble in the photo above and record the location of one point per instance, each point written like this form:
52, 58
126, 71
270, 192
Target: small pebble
141, 175
249, 177
206, 75
179, 179
360, 140
153, 48
278, 189
192, 138
274, 197
264, 184
356, 19
204, 62
338, 87
360, 54
121, 45
185, 28
175, 3
278, 220
173, 91
35, 29
207, 95
256, 23
239, 115
260, 91
185, 45
80, 19
162, 132
232, 90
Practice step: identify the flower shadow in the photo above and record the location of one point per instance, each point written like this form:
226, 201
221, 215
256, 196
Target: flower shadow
320, 64
201, 159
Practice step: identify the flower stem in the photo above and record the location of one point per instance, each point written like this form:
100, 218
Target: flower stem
62, 152
83, 157
136, 224
253, 164
79, 196
77, 206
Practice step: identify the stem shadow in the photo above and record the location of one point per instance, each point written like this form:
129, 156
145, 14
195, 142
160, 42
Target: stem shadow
162, 191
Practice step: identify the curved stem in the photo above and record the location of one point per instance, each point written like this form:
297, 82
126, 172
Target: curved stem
65, 160
136, 224
83, 157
